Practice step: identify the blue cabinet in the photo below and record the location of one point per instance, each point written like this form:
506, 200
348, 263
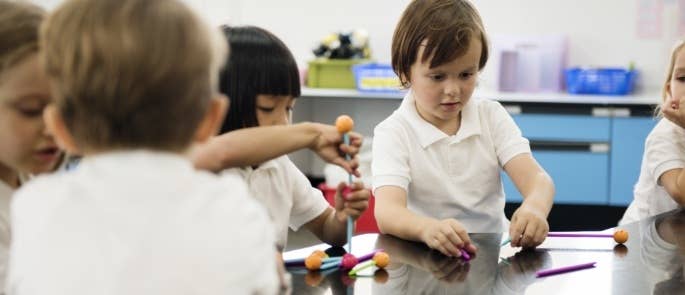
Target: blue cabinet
564, 128
579, 177
627, 146
592, 159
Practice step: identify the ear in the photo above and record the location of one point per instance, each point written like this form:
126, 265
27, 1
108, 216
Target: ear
213, 118
55, 125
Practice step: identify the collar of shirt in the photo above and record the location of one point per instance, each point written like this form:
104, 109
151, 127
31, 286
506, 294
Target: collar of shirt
429, 134
120, 162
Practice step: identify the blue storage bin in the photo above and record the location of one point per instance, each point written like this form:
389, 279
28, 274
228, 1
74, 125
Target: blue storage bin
376, 77
610, 81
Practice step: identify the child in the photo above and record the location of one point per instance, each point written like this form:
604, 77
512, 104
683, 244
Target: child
25, 146
134, 83
261, 79
661, 185
437, 158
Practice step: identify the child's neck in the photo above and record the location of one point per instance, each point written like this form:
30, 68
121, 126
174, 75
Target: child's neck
9, 176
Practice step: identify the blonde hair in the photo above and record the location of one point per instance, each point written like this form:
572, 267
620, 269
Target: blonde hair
19, 24
131, 73
669, 74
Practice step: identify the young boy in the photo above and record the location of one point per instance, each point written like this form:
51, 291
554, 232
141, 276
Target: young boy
135, 84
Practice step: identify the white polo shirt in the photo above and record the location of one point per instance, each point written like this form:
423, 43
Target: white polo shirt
139, 223
664, 150
449, 176
286, 193
5, 196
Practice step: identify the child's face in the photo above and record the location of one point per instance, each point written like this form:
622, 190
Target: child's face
676, 86
442, 92
274, 109
25, 144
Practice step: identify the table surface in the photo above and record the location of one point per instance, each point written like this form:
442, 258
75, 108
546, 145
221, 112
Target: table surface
651, 262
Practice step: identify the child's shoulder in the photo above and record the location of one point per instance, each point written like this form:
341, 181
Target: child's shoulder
666, 129
488, 106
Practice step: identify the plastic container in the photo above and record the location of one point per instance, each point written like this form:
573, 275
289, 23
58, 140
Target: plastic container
607, 81
376, 77
366, 222
332, 73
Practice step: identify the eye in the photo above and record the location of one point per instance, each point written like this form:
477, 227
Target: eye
680, 78
466, 75
265, 109
31, 112
437, 77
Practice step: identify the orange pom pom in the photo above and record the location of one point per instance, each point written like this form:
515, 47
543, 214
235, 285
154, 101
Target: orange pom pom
621, 236
313, 262
381, 259
320, 253
344, 124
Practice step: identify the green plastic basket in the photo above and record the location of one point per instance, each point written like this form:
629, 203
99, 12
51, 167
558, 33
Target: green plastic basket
332, 73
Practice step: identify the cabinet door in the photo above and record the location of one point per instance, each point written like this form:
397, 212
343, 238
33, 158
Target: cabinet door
580, 177
564, 128
627, 145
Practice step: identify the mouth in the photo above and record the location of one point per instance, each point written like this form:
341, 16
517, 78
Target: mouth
48, 154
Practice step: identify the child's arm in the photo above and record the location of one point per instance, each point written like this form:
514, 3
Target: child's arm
447, 236
529, 222
251, 146
331, 225
673, 182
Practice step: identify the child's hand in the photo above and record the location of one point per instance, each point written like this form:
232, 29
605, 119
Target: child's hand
330, 147
448, 236
673, 112
351, 201
528, 227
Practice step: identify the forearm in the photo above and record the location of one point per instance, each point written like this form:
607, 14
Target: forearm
401, 222
252, 146
334, 231
541, 193
679, 196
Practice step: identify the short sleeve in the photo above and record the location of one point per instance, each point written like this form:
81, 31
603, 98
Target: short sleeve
505, 134
390, 157
308, 202
664, 150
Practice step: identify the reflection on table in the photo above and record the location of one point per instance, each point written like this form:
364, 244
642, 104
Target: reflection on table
651, 262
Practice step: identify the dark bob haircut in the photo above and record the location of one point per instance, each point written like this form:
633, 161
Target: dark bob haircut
259, 63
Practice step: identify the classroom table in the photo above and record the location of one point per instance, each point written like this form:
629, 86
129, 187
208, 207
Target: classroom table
650, 262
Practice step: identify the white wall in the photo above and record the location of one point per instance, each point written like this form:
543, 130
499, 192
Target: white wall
601, 32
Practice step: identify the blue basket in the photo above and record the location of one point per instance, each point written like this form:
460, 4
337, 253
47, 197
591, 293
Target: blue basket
375, 77
609, 81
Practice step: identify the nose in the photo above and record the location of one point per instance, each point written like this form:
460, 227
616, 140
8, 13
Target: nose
452, 88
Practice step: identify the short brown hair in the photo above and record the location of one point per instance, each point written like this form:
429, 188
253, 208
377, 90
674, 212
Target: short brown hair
131, 73
19, 24
447, 26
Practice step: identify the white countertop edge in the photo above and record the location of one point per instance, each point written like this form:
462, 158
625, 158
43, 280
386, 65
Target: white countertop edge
647, 98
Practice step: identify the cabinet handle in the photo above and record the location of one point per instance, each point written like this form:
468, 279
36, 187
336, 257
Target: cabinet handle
599, 147
601, 112
513, 109
566, 146
621, 112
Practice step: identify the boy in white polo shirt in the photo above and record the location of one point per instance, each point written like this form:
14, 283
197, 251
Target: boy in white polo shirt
437, 159
136, 217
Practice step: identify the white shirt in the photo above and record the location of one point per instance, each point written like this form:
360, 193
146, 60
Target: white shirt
449, 176
5, 196
139, 223
285, 192
664, 150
